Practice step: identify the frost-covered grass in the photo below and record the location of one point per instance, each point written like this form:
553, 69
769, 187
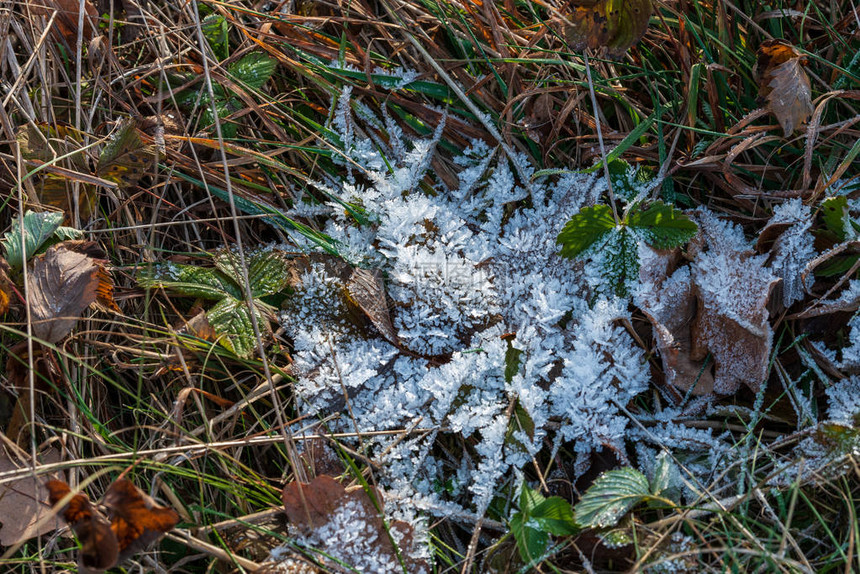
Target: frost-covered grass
733, 360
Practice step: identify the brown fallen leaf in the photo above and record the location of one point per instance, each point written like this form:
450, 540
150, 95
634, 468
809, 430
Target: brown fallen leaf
784, 84
732, 288
323, 508
366, 290
21, 508
65, 281
669, 302
68, 15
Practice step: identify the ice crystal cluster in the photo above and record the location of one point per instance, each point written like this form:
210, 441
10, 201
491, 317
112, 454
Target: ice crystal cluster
464, 265
469, 262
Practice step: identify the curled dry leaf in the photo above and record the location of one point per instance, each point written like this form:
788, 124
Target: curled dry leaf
366, 290
68, 15
784, 84
133, 521
65, 281
323, 510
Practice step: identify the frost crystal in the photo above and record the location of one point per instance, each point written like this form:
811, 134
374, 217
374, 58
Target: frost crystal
462, 267
793, 249
843, 401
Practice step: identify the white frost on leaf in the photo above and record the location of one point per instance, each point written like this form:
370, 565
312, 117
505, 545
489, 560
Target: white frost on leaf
843, 401
733, 286
793, 248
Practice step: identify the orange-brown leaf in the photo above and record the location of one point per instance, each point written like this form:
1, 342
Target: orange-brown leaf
784, 84
612, 24
64, 284
136, 519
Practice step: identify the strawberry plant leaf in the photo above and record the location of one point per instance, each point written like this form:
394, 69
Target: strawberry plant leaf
620, 260
38, 228
611, 496
661, 226
253, 70
192, 281
584, 229
231, 318
215, 31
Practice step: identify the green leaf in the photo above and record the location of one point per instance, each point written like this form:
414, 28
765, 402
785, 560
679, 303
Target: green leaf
215, 30
529, 498
611, 496
537, 519
530, 542
834, 213
38, 228
231, 318
253, 70
512, 362
584, 229
555, 516
662, 474
661, 226
269, 272
620, 259
192, 281
626, 180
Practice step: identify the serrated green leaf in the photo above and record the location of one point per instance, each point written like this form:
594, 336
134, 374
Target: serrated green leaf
269, 272
529, 498
530, 542
617, 538
38, 228
64, 233
626, 180
555, 516
192, 281
215, 31
231, 318
253, 70
584, 229
661, 226
611, 496
620, 260
207, 117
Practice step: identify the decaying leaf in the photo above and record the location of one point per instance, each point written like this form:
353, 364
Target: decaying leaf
784, 84
715, 307
669, 302
125, 158
67, 19
346, 525
22, 513
732, 288
366, 290
612, 24
65, 281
